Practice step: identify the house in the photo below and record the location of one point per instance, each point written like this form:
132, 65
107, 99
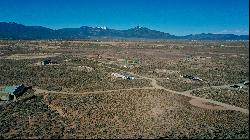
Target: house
245, 82
196, 78
123, 76
236, 86
128, 76
16, 90
117, 75
46, 62
192, 77
10, 92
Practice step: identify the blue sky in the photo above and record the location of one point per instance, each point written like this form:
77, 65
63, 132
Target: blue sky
179, 17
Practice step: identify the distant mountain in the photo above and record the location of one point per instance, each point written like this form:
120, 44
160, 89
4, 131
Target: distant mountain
11, 30
210, 36
137, 32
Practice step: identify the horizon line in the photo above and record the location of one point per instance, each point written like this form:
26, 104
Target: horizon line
107, 27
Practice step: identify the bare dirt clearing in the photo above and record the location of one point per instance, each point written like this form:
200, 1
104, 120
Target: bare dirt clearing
198, 103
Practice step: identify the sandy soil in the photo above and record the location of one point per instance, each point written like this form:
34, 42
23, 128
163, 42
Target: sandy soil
205, 105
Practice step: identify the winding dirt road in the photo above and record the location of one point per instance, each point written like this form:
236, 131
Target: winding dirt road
196, 101
203, 100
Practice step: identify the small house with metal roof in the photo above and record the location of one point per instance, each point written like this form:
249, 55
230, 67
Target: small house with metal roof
10, 92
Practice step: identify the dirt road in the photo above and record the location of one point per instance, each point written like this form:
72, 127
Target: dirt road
200, 102
187, 93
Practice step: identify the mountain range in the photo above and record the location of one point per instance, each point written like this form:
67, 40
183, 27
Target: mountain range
12, 30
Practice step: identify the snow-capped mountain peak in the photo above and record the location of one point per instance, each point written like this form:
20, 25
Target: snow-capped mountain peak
103, 27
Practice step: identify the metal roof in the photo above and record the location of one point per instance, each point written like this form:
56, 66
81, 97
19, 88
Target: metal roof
10, 89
